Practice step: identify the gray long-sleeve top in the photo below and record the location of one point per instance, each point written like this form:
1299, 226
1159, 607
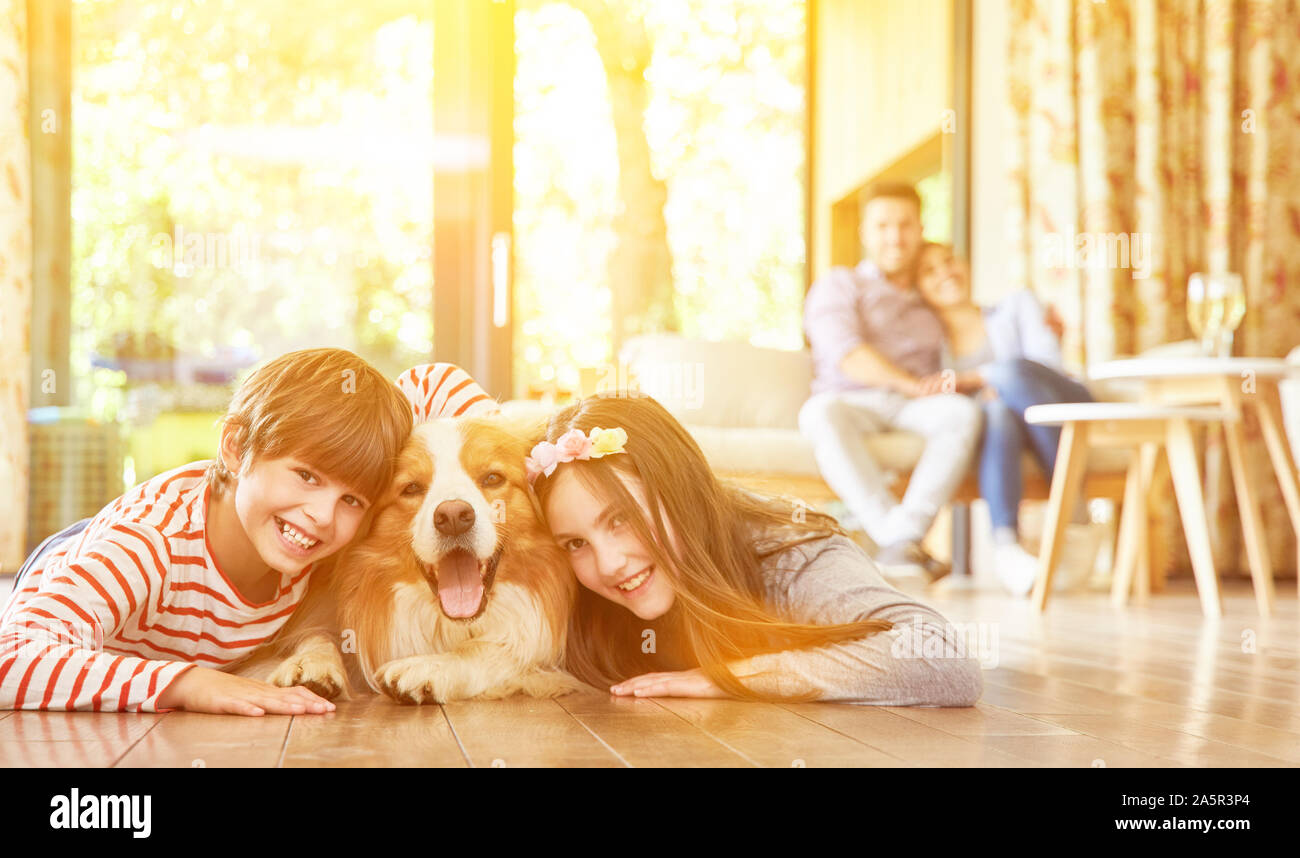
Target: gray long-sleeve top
1015, 327
923, 661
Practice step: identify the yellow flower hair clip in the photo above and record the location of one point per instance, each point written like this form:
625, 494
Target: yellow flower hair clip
572, 445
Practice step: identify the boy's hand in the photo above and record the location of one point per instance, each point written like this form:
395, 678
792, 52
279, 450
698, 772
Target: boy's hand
202, 689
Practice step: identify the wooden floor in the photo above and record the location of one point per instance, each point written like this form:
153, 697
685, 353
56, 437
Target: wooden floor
1083, 685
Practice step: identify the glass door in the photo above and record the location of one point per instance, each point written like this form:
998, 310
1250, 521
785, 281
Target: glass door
473, 136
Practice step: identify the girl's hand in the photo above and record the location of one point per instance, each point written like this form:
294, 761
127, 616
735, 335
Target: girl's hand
682, 683
202, 689
969, 381
1052, 318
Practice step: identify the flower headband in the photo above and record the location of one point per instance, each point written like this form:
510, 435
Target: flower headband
573, 445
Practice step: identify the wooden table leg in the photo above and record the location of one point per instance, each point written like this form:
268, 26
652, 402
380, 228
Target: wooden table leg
1191, 506
1157, 550
1071, 461
1145, 583
1252, 525
1131, 550
1121, 581
1269, 408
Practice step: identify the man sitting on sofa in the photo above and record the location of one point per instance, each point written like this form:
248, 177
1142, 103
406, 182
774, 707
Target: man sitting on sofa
877, 357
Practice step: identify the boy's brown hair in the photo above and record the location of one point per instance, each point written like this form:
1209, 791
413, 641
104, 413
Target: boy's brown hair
326, 406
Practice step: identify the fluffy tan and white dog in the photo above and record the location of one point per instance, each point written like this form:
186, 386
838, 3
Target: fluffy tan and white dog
455, 591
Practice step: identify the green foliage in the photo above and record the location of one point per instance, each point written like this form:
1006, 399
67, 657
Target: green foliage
725, 127
291, 147
304, 129
936, 206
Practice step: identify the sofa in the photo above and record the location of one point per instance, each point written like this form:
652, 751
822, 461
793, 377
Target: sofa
741, 404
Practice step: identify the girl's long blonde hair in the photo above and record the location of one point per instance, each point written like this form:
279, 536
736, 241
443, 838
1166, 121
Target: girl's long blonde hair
724, 534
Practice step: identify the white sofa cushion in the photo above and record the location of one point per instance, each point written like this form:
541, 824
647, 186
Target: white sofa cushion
728, 384
788, 453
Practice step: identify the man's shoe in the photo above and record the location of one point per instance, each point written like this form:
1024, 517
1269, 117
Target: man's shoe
908, 559
1017, 569
900, 560
934, 567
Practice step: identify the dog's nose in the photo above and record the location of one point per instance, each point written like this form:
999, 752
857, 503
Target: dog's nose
453, 517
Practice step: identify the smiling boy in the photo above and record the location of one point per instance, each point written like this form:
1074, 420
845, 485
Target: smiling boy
190, 571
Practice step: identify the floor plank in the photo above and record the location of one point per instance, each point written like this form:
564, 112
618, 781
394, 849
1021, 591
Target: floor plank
1030, 703
523, 732
910, 742
1075, 751
124, 728
85, 740
40, 754
200, 740
774, 736
1245, 673
1245, 734
373, 731
1164, 742
1207, 698
643, 733
30, 738
982, 720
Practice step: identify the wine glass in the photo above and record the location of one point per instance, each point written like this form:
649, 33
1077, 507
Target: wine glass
1234, 309
1200, 312
1216, 304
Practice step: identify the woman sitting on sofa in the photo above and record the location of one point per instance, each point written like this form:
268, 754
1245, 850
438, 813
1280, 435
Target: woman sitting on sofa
1008, 355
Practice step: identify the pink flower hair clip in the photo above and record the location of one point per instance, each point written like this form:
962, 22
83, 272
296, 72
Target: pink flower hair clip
573, 445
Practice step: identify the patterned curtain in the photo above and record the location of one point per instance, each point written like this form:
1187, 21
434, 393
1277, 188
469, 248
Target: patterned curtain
1177, 121
15, 282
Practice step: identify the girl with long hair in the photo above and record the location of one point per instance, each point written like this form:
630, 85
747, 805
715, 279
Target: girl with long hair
695, 588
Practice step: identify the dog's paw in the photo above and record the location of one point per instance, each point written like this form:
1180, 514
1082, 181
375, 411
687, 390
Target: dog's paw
319, 675
540, 682
417, 679
548, 682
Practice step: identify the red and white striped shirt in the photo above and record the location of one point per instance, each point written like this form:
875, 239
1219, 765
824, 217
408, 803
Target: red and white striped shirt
444, 390
110, 619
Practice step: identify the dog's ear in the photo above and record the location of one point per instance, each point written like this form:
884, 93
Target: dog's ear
528, 428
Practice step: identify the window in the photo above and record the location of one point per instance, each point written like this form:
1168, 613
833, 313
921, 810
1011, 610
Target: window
248, 179
723, 124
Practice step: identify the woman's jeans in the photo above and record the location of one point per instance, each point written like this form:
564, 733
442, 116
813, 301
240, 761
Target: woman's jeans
1019, 383
50, 545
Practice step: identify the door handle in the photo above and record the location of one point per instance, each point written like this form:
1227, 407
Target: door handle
501, 279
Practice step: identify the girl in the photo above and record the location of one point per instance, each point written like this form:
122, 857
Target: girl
1010, 356
692, 588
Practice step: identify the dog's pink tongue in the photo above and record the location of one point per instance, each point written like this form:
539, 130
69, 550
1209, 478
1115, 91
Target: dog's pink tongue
460, 589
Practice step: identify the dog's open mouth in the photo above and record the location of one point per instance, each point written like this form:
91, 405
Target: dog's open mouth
462, 582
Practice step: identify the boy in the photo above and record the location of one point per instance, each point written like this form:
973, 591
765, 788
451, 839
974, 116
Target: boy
195, 568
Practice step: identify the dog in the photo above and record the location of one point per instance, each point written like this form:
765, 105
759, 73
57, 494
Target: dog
455, 591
